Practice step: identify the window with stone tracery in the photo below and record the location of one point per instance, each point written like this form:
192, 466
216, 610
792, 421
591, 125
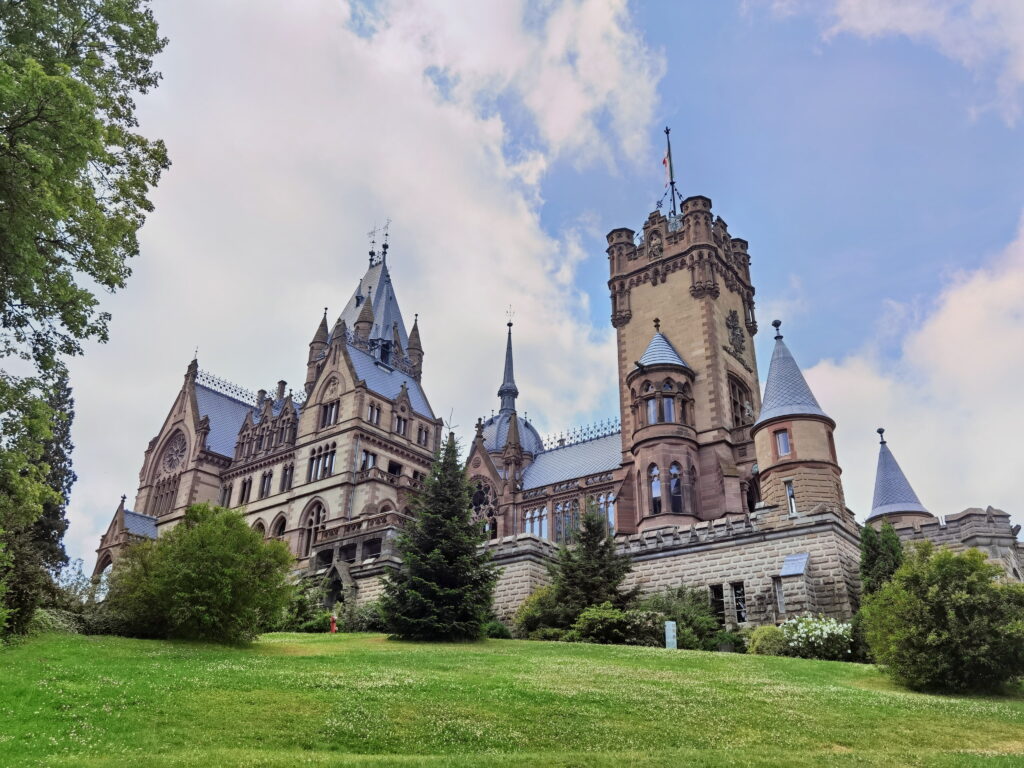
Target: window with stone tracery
535, 521
484, 503
313, 522
566, 521
741, 401
654, 482
606, 508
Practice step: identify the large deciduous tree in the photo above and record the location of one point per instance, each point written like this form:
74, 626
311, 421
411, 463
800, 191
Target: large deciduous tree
444, 587
75, 176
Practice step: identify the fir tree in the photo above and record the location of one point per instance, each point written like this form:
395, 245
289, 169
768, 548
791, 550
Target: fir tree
444, 586
880, 555
591, 572
48, 530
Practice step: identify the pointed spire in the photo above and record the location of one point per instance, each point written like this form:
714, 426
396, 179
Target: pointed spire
513, 441
364, 322
893, 494
414, 336
508, 392
786, 392
320, 337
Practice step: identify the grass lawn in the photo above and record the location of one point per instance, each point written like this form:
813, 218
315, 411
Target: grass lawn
361, 700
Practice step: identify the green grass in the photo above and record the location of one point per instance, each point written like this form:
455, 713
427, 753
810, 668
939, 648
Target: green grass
361, 700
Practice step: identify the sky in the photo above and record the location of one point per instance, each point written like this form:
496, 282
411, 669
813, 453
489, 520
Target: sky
871, 153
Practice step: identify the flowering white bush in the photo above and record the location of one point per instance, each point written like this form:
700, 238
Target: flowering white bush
818, 638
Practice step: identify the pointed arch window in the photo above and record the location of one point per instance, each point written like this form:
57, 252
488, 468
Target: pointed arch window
535, 521
675, 488
260, 528
280, 525
606, 508
668, 402
654, 483
741, 401
313, 524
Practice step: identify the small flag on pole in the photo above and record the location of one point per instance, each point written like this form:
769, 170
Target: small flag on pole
667, 162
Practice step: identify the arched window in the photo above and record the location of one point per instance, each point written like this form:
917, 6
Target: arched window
690, 491
675, 488
260, 528
686, 405
652, 410
279, 527
535, 521
492, 528
314, 522
654, 476
606, 508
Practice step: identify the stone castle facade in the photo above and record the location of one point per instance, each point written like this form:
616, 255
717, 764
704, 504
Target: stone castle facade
704, 481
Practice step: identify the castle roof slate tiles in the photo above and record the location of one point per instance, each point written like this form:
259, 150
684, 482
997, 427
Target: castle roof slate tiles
226, 415
602, 454
661, 352
892, 489
140, 525
387, 381
786, 392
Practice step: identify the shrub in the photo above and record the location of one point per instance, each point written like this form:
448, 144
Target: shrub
767, 640
818, 638
944, 622
731, 640
319, 623
547, 633
211, 577
364, 618
607, 624
47, 621
497, 630
696, 626
304, 604
540, 609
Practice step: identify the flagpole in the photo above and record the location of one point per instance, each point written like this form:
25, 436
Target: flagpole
671, 172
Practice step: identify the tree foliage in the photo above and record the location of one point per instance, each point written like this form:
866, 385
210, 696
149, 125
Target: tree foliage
591, 571
211, 578
74, 173
946, 622
697, 627
881, 553
444, 586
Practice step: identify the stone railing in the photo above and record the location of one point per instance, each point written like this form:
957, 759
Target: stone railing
379, 475
347, 528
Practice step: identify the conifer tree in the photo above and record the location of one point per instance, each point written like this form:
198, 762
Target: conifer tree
445, 584
591, 572
880, 555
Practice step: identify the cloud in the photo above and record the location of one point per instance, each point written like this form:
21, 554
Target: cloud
291, 132
950, 400
986, 36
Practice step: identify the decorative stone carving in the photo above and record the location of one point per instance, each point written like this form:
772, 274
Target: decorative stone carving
736, 336
174, 454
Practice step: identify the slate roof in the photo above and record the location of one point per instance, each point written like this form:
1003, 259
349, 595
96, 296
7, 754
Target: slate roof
226, 415
387, 381
661, 352
602, 454
140, 525
786, 392
496, 434
892, 490
385, 306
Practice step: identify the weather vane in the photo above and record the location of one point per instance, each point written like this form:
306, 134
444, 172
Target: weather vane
510, 315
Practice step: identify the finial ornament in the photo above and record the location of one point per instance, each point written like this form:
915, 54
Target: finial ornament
657, 325
510, 315
123, 498
776, 324
881, 435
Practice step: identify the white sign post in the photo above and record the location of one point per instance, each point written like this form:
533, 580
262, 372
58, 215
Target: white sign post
670, 635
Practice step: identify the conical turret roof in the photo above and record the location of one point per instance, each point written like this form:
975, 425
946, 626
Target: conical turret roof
661, 352
893, 493
414, 335
786, 392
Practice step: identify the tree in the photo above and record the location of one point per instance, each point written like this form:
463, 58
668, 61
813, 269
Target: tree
48, 529
444, 586
880, 555
591, 571
74, 175
209, 578
946, 622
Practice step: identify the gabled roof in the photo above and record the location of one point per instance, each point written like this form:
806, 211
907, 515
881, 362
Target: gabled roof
602, 454
786, 392
387, 381
661, 352
892, 490
140, 525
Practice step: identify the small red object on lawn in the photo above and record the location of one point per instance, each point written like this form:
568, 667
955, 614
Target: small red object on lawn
334, 625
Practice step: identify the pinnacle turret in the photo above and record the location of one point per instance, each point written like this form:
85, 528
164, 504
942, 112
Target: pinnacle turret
508, 392
893, 493
786, 392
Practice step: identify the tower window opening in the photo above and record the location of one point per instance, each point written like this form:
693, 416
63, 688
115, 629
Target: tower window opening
782, 442
742, 403
790, 497
652, 411
675, 488
654, 475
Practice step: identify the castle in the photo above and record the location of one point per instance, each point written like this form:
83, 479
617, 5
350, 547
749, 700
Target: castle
703, 481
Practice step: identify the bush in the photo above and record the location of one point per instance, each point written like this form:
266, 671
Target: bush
696, 626
609, 625
547, 633
945, 623
767, 640
497, 630
731, 640
305, 603
211, 578
48, 621
365, 618
319, 623
818, 638
538, 610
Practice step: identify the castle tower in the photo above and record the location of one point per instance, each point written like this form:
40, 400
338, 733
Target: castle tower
316, 350
894, 500
508, 427
415, 348
799, 471
687, 272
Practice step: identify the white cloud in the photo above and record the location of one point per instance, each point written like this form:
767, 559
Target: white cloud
291, 134
986, 36
950, 402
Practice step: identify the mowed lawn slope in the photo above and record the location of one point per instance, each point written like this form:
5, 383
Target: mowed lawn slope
355, 700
